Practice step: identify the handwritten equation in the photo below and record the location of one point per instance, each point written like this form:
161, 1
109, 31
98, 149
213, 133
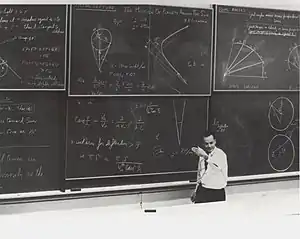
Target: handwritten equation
32, 46
132, 136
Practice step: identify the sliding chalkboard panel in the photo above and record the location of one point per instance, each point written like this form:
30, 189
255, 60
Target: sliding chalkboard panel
32, 47
133, 50
31, 141
257, 49
141, 137
259, 132
180, 45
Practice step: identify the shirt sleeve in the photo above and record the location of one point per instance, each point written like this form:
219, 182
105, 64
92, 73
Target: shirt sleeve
201, 169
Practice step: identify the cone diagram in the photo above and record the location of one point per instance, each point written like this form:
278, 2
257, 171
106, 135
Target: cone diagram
101, 40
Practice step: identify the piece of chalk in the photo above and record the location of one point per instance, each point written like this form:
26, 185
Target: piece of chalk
150, 210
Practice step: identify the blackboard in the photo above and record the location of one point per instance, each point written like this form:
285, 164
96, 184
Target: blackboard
32, 127
32, 47
133, 137
257, 49
259, 132
133, 50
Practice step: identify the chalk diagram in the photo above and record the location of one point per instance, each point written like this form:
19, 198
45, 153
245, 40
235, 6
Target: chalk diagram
101, 40
244, 62
281, 149
281, 153
4, 67
156, 49
281, 113
179, 117
294, 58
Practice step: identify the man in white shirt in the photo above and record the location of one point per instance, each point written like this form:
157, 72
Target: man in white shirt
212, 172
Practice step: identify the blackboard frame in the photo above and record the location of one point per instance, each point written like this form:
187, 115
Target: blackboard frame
211, 9
128, 179
216, 6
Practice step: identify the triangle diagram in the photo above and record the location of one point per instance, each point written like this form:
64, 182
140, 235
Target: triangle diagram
179, 110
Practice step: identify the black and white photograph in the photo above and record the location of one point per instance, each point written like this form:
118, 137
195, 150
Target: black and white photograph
149, 119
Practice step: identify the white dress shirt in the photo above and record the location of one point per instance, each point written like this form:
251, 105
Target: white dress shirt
216, 174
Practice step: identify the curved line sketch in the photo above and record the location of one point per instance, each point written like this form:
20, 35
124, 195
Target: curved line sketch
294, 58
179, 121
4, 69
163, 54
279, 151
156, 47
235, 66
101, 40
279, 113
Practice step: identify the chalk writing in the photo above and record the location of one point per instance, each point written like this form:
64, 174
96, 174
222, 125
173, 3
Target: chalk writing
120, 123
272, 30
15, 166
20, 173
182, 152
127, 136
273, 16
29, 149
124, 55
22, 108
107, 143
36, 35
264, 49
220, 127
130, 167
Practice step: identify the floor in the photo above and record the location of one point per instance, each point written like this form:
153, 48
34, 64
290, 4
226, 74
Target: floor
271, 215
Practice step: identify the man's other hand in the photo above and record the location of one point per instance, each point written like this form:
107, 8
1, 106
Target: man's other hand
198, 151
193, 196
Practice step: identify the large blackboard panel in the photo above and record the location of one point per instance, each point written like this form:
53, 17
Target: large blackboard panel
115, 137
180, 47
259, 132
132, 50
105, 65
32, 46
257, 49
31, 141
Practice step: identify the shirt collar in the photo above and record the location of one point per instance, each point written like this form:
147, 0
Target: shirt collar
213, 152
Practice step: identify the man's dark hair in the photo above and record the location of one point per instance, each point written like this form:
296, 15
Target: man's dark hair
208, 133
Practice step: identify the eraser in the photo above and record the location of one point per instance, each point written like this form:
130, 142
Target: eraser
150, 210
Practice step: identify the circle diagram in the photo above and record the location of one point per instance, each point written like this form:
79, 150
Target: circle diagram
294, 58
101, 39
3, 68
281, 153
281, 113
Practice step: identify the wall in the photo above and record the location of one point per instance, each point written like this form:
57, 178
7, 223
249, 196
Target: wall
286, 4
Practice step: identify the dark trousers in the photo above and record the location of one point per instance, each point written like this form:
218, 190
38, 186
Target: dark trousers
204, 195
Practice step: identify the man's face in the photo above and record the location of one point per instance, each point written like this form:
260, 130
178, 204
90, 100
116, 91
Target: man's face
209, 143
